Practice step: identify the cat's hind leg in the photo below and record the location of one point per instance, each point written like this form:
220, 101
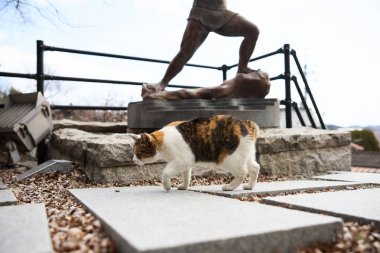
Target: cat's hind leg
253, 172
170, 170
186, 175
239, 174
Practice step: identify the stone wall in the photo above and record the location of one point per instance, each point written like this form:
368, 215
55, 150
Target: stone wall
108, 157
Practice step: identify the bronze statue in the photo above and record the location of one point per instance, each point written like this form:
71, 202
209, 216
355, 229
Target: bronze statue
254, 84
209, 16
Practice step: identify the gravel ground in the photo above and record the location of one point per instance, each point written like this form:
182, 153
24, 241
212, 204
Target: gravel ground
73, 229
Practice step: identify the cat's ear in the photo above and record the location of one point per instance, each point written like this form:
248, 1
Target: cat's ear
145, 137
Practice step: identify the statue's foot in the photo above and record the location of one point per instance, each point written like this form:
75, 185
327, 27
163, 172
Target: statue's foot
149, 89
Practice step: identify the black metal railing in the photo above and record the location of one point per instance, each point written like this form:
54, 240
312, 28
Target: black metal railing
287, 76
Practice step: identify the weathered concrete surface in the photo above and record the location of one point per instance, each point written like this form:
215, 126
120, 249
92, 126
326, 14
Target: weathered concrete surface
2, 185
358, 205
94, 127
294, 139
148, 219
274, 188
7, 198
373, 178
62, 166
100, 150
108, 157
306, 161
24, 228
300, 150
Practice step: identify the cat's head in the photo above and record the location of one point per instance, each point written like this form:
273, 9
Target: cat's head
144, 149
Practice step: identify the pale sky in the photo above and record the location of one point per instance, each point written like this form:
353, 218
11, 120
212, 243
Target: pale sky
338, 40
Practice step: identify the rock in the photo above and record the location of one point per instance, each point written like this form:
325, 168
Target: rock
101, 150
299, 150
306, 161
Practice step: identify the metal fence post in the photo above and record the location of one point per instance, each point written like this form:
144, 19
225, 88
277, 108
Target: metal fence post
224, 70
42, 146
288, 97
40, 66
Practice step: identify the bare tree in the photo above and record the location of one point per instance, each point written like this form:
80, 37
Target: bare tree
26, 9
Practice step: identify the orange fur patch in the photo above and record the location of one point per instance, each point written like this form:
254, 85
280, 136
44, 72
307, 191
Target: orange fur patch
175, 123
222, 156
158, 138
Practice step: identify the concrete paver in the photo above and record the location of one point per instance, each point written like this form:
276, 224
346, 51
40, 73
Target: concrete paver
148, 219
2, 185
24, 228
359, 205
7, 198
373, 178
274, 188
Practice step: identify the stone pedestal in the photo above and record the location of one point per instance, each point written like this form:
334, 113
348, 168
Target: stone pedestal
108, 157
154, 114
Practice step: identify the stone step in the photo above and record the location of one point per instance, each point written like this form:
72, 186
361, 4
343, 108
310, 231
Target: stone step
354, 205
7, 198
362, 177
274, 188
24, 228
149, 219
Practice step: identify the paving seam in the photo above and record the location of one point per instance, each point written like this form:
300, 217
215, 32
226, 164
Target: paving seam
291, 192
116, 237
345, 217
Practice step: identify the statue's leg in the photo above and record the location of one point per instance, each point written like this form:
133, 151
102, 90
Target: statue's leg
194, 35
239, 26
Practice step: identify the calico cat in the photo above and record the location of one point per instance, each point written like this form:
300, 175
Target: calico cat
224, 141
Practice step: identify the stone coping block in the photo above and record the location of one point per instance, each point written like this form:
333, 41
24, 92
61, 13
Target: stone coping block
274, 188
92, 126
100, 150
372, 178
7, 198
306, 161
149, 219
274, 140
357, 205
24, 228
279, 152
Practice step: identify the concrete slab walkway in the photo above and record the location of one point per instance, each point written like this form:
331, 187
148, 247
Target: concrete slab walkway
358, 205
24, 228
2, 185
7, 198
148, 219
373, 178
274, 188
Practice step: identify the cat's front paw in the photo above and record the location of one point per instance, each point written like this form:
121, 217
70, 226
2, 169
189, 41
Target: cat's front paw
247, 187
182, 187
167, 186
227, 187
